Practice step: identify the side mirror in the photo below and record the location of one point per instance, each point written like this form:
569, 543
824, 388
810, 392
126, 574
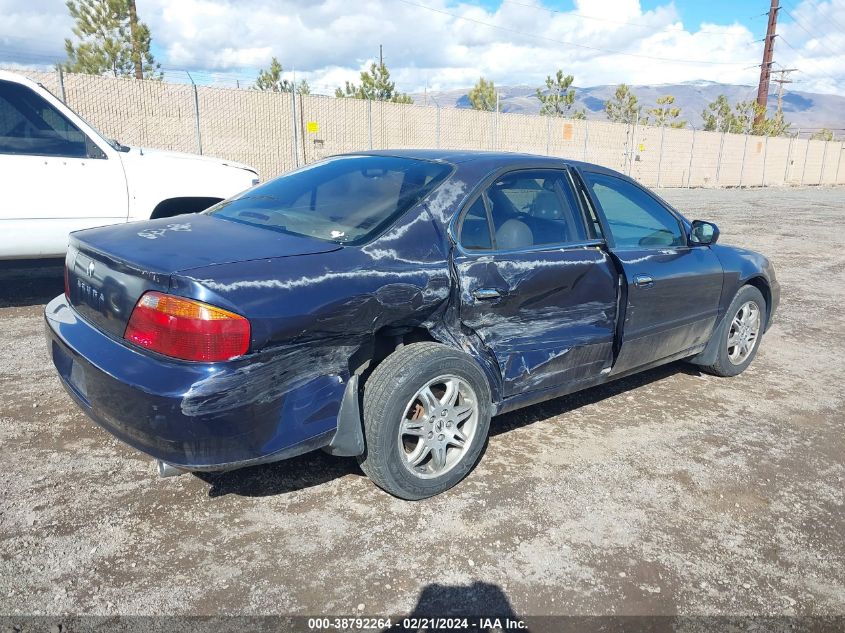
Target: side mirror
703, 233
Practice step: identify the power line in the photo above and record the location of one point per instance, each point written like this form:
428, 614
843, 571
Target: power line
815, 37
806, 61
574, 44
828, 18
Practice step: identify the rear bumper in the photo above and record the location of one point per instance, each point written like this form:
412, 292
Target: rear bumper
195, 416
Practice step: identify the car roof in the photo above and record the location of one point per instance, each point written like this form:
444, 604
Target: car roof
492, 159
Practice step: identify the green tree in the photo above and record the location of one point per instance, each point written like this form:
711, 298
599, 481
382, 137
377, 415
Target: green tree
483, 95
745, 113
665, 113
750, 118
109, 40
375, 85
558, 97
776, 126
760, 124
718, 116
270, 80
744, 118
823, 135
624, 107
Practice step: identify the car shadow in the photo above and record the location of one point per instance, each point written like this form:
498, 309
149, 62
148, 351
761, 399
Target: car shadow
267, 480
485, 607
30, 282
317, 467
481, 603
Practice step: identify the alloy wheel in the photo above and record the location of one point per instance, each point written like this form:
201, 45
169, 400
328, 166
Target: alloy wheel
744, 332
438, 426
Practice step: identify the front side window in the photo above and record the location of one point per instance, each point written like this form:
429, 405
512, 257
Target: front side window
31, 126
591, 219
636, 220
346, 199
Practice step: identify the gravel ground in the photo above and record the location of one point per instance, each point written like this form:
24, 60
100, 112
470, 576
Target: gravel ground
670, 492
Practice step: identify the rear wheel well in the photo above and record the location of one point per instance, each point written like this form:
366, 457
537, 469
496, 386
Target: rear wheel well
178, 206
383, 343
361, 365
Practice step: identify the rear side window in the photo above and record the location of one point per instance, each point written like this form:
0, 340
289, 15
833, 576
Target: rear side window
31, 126
635, 219
346, 199
527, 209
475, 229
533, 206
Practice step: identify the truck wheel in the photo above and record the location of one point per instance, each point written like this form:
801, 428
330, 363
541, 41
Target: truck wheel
740, 333
426, 418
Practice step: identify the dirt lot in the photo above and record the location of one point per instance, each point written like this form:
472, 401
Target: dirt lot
669, 492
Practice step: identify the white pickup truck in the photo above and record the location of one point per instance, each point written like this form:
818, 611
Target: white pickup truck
58, 174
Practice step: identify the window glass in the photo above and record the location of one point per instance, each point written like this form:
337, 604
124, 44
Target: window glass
533, 208
346, 199
30, 125
636, 219
475, 228
594, 230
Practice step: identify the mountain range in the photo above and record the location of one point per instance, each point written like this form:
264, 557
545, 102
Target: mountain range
807, 111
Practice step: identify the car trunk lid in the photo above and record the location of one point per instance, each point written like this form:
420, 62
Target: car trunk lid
109, 268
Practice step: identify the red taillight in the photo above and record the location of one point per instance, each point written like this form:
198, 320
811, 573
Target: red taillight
67, 284
187, 329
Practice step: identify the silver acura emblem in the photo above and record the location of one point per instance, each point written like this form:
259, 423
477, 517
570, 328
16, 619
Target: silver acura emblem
91, 269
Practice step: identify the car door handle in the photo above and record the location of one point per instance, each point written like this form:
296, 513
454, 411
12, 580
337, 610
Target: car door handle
643, 281
486, 293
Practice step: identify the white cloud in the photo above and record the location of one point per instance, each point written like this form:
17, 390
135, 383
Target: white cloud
33, 30
329, 41
817, 31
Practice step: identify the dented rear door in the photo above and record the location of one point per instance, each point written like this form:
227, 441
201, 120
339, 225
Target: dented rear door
546, 311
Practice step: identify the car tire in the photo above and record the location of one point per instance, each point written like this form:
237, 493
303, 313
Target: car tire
418, 405
740, 333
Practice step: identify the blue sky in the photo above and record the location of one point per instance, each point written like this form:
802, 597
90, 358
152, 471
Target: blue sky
749, 13
694, 13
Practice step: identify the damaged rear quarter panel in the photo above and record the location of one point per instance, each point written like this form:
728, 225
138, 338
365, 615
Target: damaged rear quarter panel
311, 313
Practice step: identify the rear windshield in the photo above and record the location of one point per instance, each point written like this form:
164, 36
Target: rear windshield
346, 199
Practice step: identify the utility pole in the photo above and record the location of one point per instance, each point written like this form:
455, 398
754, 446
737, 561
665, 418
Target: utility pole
133, 33
380, 57
766, 66
783, 80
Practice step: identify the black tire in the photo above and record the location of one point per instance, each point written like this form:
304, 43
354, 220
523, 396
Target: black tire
387, 393
723, 365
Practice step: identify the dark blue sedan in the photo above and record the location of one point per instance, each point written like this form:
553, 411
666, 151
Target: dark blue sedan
386, 305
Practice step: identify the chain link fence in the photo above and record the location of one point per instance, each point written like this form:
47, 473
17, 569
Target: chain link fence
276, 132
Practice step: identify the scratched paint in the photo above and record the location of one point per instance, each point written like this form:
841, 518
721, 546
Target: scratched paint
316, 307
153, 234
